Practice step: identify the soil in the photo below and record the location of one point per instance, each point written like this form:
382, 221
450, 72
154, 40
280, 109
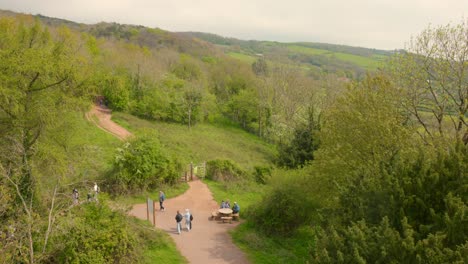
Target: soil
208, 241
104, 122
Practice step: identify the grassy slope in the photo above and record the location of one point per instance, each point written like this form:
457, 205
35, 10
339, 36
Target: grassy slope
242, 57
205, 142
103, 145
370, 63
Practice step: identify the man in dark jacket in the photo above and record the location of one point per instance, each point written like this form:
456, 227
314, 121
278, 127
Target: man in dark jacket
178, 219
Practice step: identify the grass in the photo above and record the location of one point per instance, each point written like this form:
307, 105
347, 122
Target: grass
245, 193
370, 63
262, 249
158, 247
242, 57
204, 142
274, 250
169, 191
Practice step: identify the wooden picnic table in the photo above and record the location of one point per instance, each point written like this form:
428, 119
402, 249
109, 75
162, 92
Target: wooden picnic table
226, 214
225, 211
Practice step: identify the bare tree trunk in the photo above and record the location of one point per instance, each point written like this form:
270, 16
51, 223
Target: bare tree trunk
49, 226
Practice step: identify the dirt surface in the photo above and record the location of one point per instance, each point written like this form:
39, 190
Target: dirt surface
208, 241
104, 122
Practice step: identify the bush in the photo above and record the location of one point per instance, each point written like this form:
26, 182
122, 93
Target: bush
412, 212
262, 174
285, 208
93, 233
141, 164
224, 170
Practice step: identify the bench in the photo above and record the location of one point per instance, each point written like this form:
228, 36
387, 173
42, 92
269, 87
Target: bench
214, 215
226, 218
235, 216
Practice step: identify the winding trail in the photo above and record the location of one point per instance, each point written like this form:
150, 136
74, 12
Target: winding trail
104, 122
208, 242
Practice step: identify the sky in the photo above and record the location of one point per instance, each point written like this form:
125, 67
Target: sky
380, 24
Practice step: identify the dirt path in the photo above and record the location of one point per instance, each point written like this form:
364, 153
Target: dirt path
208, 241
104, 122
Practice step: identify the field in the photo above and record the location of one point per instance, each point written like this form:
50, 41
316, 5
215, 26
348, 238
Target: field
369, 63
242, 57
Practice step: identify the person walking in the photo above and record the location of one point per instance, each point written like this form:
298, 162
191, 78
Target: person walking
178, 219
76, 196
187, 219
96, 191
162, 197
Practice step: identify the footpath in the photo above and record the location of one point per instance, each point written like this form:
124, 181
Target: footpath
208, 242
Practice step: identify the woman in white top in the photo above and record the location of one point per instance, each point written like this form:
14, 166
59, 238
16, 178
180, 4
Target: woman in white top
187, 219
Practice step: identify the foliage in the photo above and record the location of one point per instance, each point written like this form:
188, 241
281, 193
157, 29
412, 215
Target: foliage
432, 75
262, 174
287, 206
142, 163
116, 92
224, 170
95, 234
270, 249
301, 148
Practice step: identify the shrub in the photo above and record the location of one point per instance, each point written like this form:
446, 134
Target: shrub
141, 164
285, 208
93, 233
262, 174
224, 170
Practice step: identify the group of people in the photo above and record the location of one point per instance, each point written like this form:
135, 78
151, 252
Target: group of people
76, 195
179, 217
226, 204
188, 220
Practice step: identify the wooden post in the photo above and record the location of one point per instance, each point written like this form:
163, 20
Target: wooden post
154, 213
191, 171
147, 208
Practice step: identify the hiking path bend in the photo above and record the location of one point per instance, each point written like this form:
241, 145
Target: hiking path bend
208, 242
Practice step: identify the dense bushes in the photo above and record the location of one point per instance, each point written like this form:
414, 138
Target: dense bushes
223, 170
413, 212
93, 233
286, 207
141, 163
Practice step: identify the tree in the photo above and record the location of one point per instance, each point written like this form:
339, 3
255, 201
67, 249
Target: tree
432, 74
40, 80
191, 101
260, 67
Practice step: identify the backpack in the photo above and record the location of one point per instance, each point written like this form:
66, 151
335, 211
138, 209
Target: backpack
191, 217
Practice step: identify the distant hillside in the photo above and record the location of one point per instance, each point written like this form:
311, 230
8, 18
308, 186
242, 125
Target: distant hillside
316, 57
313, 54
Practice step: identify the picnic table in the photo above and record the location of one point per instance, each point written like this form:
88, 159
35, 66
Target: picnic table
226, 214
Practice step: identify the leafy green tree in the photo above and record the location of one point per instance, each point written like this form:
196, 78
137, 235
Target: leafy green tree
260, 67
140, 164
301, 148
117, 92
432, 75
41, 79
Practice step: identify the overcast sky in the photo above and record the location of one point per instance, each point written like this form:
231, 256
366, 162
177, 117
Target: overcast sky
382, 24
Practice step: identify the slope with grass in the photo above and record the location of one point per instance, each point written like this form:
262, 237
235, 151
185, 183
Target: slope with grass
204, 142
